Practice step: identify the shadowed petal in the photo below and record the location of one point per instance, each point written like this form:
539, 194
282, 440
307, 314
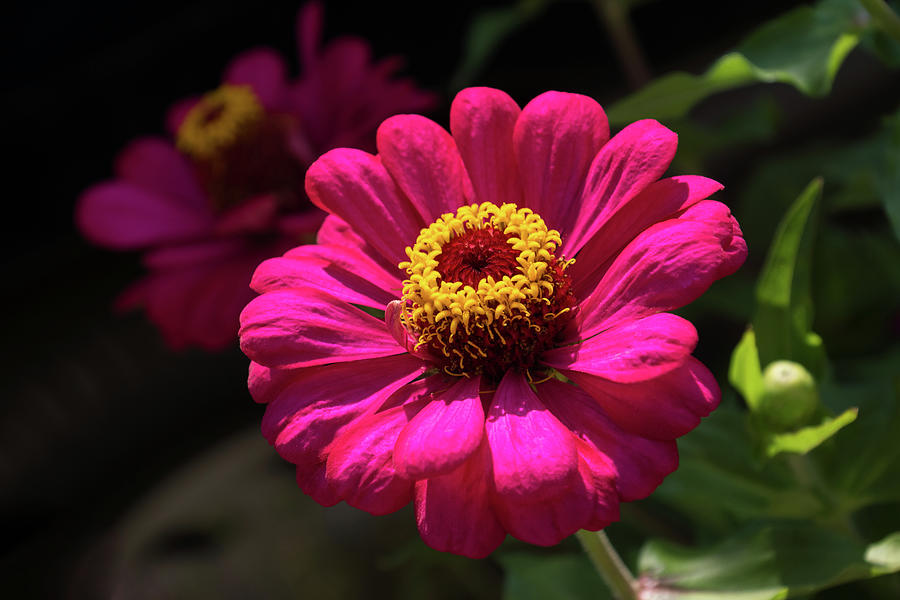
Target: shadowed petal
634, 351
310, 409
638, 464
155, 165
444, 434
124, 216
454, 511
264, 71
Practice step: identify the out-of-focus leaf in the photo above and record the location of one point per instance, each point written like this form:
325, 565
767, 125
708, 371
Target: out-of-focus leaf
804, 48
721, 455
863, 463
888, 181
487, 31
551, 577
744, 372
784, 304
805, 439
778, 560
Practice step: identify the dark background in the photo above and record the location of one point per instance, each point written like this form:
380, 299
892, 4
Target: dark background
96, 412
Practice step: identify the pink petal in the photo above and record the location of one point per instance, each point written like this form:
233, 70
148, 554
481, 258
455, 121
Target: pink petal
124, 216
356, 187
482, 122
556, 138
638, 464
264, 71
454, 511
308, 31
661, 200
317, 403
662, 408
265, 384
423, 160
667, 266
193, 254
253, 216
360, 464
634, 351
311, 479
330, 269
600, 477
636, 157
155, 165
533, 454
289, 329
444, 434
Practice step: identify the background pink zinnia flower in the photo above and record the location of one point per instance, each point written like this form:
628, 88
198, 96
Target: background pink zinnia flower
507, 389
226, 191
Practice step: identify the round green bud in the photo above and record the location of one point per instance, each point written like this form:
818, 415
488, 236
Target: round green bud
789, 397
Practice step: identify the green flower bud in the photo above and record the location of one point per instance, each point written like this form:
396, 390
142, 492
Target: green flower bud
790, 397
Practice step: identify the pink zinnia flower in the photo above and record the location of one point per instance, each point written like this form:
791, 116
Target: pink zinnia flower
227, 191
508, 389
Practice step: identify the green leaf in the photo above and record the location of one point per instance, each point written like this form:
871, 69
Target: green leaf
805, 439
744, 372
888, 176
531, 576
863, 462
487, 31
784, 304
721, 455
804, 48
777, 560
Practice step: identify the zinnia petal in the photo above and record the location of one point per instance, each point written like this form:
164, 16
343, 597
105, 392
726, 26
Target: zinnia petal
633, 351
633, 159
263, 69
556, 138
454, 511
312, 405
661, 200
638, 464
444, 434
155, 165
343, 181
124, 216
423, 160
667, 266
287, 329
482, 121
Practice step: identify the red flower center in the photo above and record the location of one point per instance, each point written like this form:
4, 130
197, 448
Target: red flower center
486, 291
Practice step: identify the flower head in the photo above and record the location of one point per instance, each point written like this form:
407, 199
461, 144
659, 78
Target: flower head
526, 377
226, 190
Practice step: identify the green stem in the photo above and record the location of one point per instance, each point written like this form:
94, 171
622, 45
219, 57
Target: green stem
614, 15
883, 17
608, 563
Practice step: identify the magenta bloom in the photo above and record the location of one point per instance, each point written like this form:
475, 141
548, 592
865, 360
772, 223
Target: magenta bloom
226, 192
508, 389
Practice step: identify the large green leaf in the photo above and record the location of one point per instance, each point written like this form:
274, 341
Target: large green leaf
776, 560
784, 303
804, 48
721, 479
808, 438
744, 372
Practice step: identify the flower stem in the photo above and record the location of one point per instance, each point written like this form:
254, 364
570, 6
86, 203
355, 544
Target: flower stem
608, 563
614, 15
884, 18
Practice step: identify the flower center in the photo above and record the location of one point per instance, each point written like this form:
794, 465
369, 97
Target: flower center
240, 151
218, 121
485, 289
